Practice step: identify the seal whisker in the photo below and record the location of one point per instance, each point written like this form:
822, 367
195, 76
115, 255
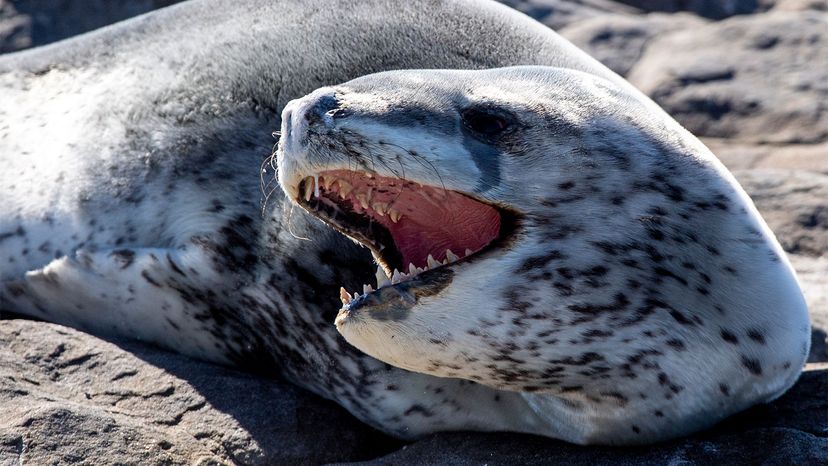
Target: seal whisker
289, 222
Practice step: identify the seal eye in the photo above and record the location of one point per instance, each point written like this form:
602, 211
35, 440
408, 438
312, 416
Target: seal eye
485, 122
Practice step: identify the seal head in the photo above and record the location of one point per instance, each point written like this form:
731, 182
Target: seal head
543, 230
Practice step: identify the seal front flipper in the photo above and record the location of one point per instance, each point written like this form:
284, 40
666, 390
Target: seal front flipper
151, 294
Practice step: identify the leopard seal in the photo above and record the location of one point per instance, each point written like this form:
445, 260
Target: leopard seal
128, 207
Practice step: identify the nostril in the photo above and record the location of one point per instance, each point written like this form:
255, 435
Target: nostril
326, 105
340, 112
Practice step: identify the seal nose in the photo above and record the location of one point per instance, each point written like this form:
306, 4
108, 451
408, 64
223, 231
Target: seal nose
321, 107
325, 108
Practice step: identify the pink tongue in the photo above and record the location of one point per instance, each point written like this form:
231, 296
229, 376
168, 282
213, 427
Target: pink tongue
432, 220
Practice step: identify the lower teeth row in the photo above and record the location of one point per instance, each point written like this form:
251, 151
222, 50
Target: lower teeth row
397, 276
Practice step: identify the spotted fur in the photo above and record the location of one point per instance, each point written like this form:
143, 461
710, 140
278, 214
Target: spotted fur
131, 206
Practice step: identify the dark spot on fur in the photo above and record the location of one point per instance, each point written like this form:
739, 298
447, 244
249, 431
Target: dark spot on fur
756, 336
217, 206
663, 272
752, 365
422, 410
729, 337
680, 318
571, 388
175, 267
149, 279
125, 256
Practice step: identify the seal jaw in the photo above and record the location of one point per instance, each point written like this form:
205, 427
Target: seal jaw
413, 231
393, 302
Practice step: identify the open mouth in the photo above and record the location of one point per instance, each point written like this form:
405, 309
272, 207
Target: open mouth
412, 229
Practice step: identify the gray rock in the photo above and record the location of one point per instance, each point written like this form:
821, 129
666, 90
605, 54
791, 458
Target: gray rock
618, 41
715, 9
67, 397
795, 205
753, 78
812, 273
739, 155
799, 5
39, 22
559, 13
15, 29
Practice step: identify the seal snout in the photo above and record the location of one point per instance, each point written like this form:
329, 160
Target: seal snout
318, 109
322, 106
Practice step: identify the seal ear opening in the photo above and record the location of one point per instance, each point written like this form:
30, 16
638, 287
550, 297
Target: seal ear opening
486, 123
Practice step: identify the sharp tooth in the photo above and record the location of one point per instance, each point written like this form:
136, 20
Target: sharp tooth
316, 185
369, 194
326, 182
431, 262
356, 295
450, 256
344, 296
345, 188
367, 289
363, 201
412, 269
394, 214
396, 277
468, 252
380, 207
382, 278
308, 189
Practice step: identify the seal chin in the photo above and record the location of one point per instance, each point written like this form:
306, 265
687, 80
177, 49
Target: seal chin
420, 235
393, 302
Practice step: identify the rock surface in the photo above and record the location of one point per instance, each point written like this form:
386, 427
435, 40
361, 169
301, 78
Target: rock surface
753, 86
750, 78
715, 9
66, 397
39, 22
619, 41
559, 13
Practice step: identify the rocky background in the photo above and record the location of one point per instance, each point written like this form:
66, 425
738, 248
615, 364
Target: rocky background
750, 77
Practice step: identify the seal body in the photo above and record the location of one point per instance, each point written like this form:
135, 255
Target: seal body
132, 204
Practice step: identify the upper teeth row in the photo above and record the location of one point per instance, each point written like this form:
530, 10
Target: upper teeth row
383, 280
311, 189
